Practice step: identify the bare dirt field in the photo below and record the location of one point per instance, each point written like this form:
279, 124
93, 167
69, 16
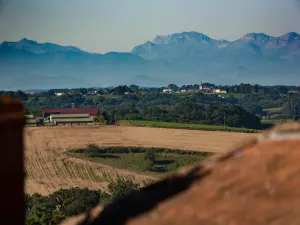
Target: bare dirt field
49, 169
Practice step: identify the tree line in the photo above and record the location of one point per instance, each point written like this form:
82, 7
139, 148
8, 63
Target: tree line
188, 112
256, 103
121, 89
64, 203
163, 107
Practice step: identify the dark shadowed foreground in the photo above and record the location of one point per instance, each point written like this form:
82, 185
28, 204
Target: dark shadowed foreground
256, 183
12, 121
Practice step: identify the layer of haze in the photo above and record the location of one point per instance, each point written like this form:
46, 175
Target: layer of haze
119, 25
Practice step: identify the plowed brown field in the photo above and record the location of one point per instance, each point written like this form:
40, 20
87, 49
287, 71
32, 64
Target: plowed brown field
49, 169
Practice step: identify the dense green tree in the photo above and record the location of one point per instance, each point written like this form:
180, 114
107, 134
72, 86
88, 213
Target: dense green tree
20, 95
120, 90
83, 91
150, 155
147, 165
289, 109
188, 113
121, 188
101, 119
74, 201
47, 94
40, 209
134, 88
58, 206
172, 86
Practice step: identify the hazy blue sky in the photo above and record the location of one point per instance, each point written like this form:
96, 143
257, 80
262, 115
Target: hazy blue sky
119, 25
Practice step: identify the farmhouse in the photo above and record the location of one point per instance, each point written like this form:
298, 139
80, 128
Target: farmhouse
92, 112
70, 119
219, 91
211, 90
294, 91
59, 93
30, 121
167, 90
92, 93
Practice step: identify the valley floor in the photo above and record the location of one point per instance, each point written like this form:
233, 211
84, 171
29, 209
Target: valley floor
49, 169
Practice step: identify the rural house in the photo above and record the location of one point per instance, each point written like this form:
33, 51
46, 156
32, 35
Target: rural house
69, 119
30, 121
92, 112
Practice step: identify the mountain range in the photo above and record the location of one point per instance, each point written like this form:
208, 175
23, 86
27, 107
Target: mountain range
181, 58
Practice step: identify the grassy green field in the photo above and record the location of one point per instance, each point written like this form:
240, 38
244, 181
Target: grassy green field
155, 161
184, 126
106, 96
277, 110
40, 98
232, 95
273, 122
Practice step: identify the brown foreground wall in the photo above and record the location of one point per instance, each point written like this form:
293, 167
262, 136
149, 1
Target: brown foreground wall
12, 166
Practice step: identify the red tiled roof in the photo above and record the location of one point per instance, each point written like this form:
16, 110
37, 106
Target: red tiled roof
91, 111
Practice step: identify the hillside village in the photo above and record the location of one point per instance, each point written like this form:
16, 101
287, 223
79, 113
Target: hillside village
86, 105
206, 88
202, 89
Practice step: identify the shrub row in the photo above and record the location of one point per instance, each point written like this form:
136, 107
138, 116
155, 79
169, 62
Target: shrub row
94, 150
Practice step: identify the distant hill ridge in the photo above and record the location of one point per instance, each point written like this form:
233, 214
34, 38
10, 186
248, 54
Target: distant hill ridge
176, 38
191, 43
180, 58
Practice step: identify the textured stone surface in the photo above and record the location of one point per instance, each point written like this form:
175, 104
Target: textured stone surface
258, 187
256, 183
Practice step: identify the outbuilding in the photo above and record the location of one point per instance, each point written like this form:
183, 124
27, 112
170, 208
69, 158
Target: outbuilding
30, 121
92, 112
70, 119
